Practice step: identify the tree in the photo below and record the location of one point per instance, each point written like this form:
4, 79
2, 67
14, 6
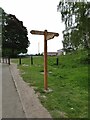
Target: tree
76, 16
0, 32
15, 38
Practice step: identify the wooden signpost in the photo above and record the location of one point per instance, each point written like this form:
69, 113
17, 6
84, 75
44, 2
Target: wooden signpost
47, 36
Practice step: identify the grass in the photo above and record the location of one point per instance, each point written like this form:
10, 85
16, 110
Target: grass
68, 82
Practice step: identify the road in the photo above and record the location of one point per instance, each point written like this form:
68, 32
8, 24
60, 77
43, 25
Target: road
11, 104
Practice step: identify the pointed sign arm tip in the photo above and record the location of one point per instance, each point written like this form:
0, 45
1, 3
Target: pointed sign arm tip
57, 34
37, 32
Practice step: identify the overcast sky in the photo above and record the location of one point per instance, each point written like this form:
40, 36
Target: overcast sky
37, 15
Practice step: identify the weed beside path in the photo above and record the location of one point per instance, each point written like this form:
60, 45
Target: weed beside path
68, 82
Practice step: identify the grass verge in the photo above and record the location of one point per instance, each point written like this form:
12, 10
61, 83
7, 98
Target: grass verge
68, 82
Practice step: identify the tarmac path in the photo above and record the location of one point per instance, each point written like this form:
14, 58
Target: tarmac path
11, 104
18, 98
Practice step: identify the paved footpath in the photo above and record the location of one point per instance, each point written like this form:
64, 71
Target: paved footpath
0, 91
19, 99
11, 104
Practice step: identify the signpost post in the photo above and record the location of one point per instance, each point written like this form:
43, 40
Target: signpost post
47, 36
45, 60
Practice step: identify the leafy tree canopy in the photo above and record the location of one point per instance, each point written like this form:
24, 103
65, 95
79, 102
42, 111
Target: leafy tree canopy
14, 37
76, 16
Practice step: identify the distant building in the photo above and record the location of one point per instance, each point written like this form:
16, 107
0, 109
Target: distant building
51, 53
59, 52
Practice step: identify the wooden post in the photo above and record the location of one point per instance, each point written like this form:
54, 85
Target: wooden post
31, 60
57, 60
9, 60
20, 60
47, 36
45, 60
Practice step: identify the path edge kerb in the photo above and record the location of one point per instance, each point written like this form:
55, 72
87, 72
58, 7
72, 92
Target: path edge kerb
15, 83
29, 100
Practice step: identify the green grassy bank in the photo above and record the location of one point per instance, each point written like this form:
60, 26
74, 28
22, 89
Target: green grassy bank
68, 82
